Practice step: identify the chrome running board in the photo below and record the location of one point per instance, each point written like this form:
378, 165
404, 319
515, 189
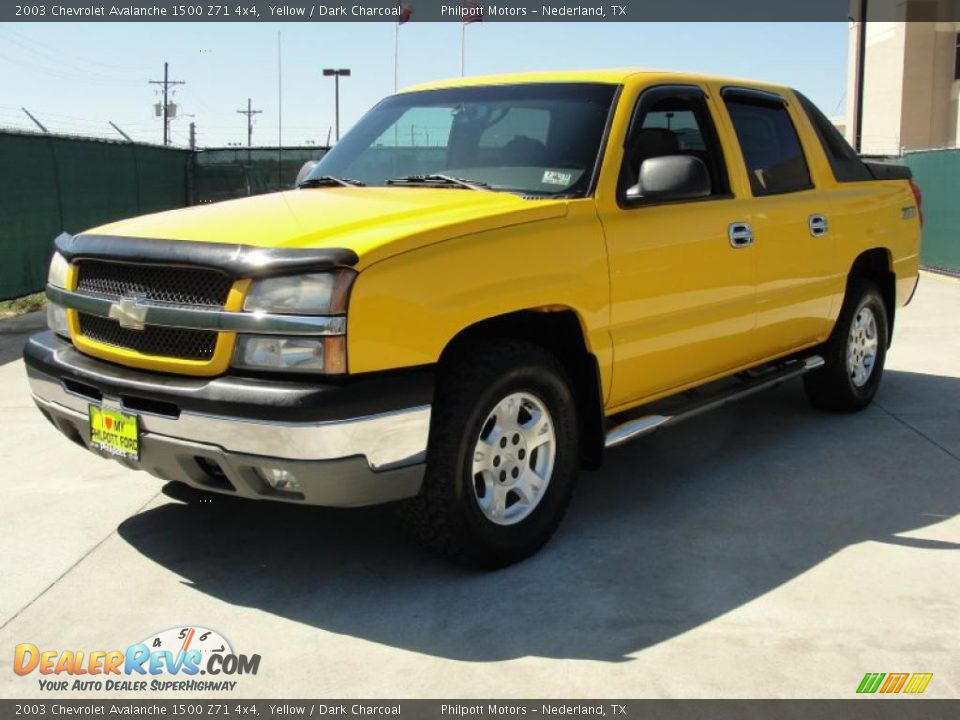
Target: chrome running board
646, 424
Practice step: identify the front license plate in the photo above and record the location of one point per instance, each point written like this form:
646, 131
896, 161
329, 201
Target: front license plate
115, 432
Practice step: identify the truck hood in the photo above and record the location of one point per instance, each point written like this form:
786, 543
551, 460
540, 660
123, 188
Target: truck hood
374, 222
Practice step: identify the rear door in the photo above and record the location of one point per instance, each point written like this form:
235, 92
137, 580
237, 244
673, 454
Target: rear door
789, 221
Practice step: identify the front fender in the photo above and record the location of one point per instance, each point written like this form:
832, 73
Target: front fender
405, 309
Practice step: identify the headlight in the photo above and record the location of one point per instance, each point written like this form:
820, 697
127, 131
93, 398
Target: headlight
57, 274
57, 320
292, 354
316, 294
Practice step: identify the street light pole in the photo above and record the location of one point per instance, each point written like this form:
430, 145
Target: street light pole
336, 74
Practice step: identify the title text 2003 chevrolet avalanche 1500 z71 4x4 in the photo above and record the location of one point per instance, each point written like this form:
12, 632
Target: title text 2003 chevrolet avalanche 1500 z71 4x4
482, 286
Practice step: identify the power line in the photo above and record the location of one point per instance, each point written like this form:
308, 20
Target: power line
56, 54
72, 77
166, 82
62, 119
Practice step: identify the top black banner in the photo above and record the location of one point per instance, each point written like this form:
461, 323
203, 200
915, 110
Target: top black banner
478, 11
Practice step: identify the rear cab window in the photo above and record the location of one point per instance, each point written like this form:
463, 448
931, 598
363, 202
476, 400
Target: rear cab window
768, 141
845, 164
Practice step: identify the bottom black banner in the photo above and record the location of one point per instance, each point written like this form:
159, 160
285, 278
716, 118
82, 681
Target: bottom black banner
864, 708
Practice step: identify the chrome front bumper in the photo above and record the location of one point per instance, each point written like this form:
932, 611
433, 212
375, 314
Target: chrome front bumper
351, 461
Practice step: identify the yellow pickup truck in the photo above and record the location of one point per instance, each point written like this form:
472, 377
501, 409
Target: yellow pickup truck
481, 287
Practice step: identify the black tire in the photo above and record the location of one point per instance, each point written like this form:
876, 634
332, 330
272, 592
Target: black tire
446, 517
832, 387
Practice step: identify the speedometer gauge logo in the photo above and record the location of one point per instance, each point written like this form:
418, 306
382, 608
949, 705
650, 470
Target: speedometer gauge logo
184, 639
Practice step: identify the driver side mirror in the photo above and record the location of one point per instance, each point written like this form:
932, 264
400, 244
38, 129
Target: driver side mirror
671, 177
305, 170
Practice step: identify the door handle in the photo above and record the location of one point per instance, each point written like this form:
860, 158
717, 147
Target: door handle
818, 225
740, 234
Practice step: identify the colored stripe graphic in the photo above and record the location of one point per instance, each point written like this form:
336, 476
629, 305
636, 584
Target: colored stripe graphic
894, 682
870, 682
918, 683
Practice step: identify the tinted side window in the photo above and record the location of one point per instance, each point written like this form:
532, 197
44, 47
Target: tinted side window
674, 122
684, 125
770, 146
844, 161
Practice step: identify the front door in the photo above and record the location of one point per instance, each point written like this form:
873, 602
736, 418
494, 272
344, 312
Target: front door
683, 274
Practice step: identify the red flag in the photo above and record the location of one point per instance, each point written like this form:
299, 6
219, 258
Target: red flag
474, 12
405, 12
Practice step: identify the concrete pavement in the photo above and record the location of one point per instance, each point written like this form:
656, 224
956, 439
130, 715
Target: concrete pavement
763, 550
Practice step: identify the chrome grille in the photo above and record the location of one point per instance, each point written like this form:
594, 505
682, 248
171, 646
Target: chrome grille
191, 287
152, 340
205, 288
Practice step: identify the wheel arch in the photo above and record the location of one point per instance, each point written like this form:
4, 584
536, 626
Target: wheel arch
876, 264
560, 330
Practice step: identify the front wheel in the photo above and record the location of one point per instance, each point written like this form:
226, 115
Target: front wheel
502, 459
854, 354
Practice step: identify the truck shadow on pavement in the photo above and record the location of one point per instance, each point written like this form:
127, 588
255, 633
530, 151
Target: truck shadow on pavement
678, 529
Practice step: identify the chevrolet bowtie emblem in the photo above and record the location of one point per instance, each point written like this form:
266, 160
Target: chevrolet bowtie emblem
130, 312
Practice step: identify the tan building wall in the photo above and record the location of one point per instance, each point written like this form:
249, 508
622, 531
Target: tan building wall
910, 96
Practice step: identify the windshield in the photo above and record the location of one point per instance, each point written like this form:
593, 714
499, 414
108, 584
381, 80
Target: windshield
539, 139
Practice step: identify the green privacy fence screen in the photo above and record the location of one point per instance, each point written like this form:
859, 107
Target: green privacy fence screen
50, 184
937, 172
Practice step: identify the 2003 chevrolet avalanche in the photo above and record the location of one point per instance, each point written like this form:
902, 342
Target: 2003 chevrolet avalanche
482, 286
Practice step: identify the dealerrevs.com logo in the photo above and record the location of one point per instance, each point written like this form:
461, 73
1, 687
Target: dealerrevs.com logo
173, 659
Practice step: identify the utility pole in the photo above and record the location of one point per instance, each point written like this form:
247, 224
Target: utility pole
125, 136
166, 82
193, 136
861, 69
36, 122
249, 112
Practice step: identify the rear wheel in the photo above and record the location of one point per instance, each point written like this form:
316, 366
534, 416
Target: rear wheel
854, 354
502, 459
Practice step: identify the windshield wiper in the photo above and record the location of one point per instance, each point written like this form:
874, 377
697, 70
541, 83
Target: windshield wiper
438, 180
330, 181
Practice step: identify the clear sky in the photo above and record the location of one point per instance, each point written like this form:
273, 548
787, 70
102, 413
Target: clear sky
77, 77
